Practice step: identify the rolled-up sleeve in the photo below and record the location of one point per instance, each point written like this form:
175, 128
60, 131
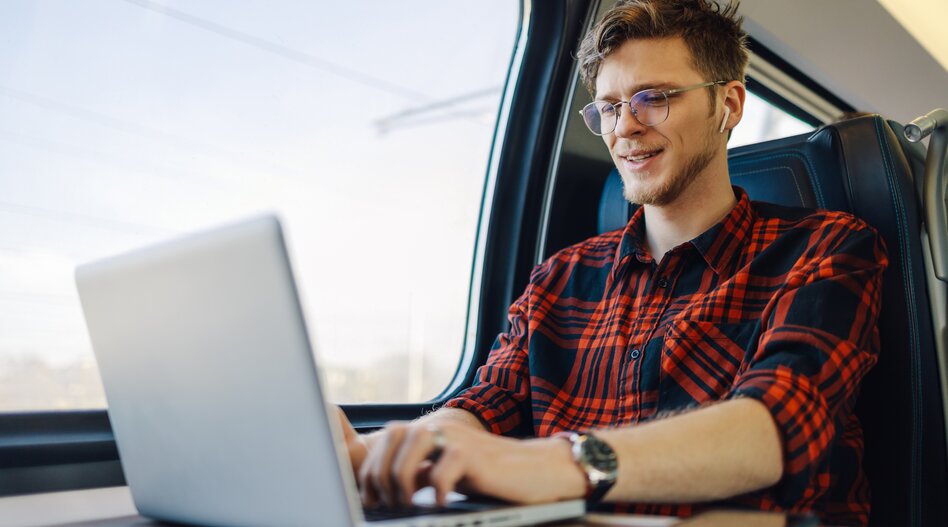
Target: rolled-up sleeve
820, 338
500, 396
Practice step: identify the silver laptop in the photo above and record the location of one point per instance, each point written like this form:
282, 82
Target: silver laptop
214, 394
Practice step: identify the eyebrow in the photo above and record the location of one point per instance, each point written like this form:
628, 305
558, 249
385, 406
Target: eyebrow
637, 88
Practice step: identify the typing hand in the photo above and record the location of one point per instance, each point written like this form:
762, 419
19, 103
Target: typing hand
452, 457
358, 450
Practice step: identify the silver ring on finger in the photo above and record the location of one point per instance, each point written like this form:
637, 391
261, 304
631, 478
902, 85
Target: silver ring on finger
439, 441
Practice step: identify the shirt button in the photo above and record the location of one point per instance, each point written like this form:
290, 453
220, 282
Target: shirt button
663, 282
635, 354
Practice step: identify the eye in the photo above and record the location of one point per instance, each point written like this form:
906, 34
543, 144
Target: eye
651, 98
606, 109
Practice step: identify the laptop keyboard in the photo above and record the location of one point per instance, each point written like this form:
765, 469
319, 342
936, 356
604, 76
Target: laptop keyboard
375, 514
455, 507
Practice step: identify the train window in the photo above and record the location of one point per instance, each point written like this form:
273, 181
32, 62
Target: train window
367, 126
762, 121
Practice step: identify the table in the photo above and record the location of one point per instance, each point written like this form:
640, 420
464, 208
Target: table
113, 507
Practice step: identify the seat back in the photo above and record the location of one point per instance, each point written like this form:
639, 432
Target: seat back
859, 166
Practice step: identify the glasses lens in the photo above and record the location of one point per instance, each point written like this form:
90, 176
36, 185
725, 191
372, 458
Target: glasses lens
600, 117
651, 107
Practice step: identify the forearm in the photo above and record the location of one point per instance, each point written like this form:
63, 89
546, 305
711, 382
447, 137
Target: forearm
453, 415
710, 453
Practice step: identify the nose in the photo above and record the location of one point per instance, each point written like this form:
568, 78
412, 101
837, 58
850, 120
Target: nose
628, 125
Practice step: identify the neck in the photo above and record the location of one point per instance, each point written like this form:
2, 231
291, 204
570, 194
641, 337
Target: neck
705, 202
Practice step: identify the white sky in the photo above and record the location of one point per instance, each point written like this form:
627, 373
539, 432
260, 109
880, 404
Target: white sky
121, 125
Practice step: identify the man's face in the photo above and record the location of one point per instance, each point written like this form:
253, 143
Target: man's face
658, 163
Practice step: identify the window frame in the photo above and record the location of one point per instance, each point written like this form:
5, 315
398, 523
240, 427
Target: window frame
72, 450
789, 85
57, 450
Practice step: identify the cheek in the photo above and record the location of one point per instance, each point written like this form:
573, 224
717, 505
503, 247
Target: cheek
681, 138
609, 141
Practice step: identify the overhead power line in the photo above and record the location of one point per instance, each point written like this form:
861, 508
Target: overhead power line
403, 117
327, 66
75, 218
284, 51
153, 134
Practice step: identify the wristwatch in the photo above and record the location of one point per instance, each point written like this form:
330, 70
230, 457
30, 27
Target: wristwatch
597, 459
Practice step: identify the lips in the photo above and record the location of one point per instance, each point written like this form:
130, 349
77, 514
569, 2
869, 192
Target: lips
640, 159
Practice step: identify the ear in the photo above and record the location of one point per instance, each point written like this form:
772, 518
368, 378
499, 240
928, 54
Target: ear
734, 95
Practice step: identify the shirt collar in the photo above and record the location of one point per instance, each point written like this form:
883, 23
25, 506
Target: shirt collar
632, 244
724, 242
720, 245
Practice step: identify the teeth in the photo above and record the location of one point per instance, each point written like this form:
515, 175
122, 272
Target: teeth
641, 157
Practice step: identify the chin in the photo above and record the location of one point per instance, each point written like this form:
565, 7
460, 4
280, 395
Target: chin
661, 194
642, 188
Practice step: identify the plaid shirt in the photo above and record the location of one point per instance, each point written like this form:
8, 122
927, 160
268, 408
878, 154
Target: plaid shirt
775, 303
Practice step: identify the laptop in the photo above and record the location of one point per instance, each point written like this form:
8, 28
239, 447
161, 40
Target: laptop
215, 397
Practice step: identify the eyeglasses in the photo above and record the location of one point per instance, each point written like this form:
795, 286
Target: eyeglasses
649, 107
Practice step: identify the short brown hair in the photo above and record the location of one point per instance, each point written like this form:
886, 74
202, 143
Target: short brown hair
711, 31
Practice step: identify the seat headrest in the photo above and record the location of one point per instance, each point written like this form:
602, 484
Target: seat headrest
800, 171
614, 210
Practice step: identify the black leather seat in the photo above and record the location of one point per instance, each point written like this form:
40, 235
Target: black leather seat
859, 166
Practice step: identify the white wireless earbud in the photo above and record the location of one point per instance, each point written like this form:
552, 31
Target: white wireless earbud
727, 113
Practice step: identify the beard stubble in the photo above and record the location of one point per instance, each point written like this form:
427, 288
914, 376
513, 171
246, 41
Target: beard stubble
677, 183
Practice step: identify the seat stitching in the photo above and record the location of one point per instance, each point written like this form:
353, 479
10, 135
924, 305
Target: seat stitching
811, 171
792, 177
908, 283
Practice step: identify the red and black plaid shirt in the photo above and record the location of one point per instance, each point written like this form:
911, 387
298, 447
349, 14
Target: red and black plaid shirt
775, 303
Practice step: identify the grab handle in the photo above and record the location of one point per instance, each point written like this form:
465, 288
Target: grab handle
935, 124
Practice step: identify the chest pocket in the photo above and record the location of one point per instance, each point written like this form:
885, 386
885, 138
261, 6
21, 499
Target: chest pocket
699, 364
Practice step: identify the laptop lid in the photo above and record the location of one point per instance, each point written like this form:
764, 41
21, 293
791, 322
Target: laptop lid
213, 393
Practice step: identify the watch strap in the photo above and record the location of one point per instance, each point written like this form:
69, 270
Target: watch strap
595, 493
595, 490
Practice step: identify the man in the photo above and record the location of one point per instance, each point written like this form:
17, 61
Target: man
708, 353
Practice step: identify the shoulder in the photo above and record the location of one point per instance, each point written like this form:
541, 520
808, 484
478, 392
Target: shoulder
802, 217
816, 232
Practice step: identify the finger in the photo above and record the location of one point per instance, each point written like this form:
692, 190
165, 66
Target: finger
358, 451
354, 443
382, 472
368, 489
348, 432
416, 447
446, 473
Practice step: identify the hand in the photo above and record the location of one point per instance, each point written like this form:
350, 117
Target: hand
358, 450
405, 457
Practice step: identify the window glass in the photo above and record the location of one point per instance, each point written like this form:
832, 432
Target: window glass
763, 121
366, 125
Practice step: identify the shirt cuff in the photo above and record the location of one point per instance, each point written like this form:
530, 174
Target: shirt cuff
497, 411
806, 429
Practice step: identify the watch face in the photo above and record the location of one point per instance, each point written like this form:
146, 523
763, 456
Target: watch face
600, 456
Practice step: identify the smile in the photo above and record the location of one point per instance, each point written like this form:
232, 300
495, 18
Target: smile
643, 157
638, 160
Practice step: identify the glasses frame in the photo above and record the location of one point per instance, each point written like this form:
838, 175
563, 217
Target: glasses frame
618, 105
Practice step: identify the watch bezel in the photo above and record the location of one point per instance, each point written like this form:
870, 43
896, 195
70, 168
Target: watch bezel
598, 479
592, 460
